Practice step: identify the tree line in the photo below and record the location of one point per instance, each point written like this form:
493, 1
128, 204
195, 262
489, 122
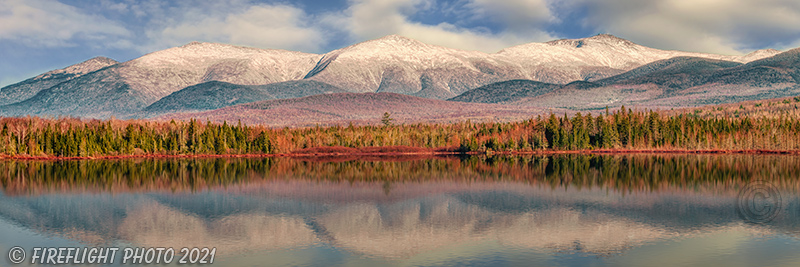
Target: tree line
625, 172
620, 129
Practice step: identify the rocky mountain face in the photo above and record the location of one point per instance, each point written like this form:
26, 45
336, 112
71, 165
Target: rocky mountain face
202, 76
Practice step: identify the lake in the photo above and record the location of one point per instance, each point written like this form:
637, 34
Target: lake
533, 210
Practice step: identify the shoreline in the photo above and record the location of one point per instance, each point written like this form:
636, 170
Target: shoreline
427, 152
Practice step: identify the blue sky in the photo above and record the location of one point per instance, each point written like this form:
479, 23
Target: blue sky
41, 35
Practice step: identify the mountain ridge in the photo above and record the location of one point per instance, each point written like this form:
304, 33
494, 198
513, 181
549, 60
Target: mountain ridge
140, 82
101, 87
674, 82
30, 87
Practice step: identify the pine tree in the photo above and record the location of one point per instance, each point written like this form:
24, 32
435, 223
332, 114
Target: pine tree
609, 136
387, 119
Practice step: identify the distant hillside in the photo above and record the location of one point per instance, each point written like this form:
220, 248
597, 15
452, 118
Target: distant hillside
683, 82
215, 94
674, 72
770, 108
98, 94
783, 68
774, 77
506, 91
30, 87
665, 76
364, 108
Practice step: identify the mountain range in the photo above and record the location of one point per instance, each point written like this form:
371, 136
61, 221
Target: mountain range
668, 83
578, 74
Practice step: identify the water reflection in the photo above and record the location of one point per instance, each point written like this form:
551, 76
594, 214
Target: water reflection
559, 209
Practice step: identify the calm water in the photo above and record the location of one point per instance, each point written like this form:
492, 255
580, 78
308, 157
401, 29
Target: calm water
562, 210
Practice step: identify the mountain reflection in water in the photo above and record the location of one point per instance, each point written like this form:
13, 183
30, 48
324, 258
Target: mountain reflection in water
418, 211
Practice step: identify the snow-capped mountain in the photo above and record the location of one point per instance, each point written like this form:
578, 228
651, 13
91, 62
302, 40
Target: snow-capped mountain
597, 57
125, 88
161, 73
402, 65
673, 82
102, 87
32, 86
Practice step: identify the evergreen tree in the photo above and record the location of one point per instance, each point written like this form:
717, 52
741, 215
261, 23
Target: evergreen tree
387, 119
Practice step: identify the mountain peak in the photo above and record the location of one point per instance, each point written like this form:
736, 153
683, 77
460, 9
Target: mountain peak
208, 53
605, 38
87, 66
387, 44
395, 38
760, 54
768, 51
100, 60
207, 45
193, 43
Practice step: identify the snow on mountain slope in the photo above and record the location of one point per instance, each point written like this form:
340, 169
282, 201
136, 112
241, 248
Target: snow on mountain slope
161, 73
25, 89
402, 65
125, 88
102, 87
757, 55
80, 68
684, 82
597, 57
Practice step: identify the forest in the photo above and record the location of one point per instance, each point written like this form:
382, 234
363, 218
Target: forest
621, 129
624, 172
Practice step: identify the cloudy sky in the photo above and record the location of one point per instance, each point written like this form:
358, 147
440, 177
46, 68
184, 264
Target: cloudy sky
41, 35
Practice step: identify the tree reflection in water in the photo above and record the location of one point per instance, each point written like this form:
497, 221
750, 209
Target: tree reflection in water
398, 208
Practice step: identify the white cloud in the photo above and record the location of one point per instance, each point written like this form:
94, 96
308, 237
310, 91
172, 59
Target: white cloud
718, 26
48, 23
112, 5
156, 25
517, 15
451, 36
142, 8
370, 19
236, 22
